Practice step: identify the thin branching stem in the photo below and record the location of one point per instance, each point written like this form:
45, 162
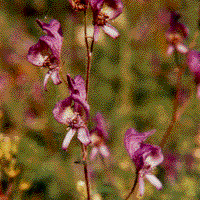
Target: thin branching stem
89, 59
9, 189
175, 114
134, 185
89, 54
84, 149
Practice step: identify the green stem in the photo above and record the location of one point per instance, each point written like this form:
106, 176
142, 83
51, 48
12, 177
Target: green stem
134, 185
84, 149
89, 54
89, 61
175, 114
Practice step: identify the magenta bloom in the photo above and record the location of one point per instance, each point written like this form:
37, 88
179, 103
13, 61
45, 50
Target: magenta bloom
73, 116
145, 156
101, 17
193, 60
79, 5
98, 135
176, 34
46, 53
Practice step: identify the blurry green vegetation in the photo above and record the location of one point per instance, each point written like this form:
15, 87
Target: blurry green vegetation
132, 84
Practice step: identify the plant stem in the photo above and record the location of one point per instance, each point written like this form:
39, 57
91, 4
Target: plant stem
134, 185
175, 115
106, 169
89, 59
9, 189
84, 149
89, 54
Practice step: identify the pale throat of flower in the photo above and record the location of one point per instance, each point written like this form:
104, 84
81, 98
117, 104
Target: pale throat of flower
107, 10
69, 116
151, 161
44, 58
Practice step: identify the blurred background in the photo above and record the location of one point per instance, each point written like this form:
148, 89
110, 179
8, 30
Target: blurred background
132, 84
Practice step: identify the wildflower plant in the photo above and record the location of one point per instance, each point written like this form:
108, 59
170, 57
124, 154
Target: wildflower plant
145, 149
74, 110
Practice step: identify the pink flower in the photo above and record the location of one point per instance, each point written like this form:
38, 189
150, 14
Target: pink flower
46, 53
176, 34
145, 157
101, 17
73, 116
193, 60
98, 135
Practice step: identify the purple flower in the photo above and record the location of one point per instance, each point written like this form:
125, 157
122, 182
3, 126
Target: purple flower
46, 53
79, 5
101, 16
73, 116
145, 156
98, 134
193, 60
176, 34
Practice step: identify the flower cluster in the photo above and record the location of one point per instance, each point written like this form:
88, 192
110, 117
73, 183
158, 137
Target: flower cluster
145, 156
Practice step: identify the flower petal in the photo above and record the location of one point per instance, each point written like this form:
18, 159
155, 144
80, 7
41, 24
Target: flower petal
62, 111
104, 151
96, 33
77, 86
170, 50
193, 60
152, 155
154, 181
101, 126
55, 76
46, 78
177, 27
83, 136
141, 185
83, 103
116, 6
110, 30
68, 138
181, 48
48, 46
133, 140
38, 53
96, 5
93, 153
